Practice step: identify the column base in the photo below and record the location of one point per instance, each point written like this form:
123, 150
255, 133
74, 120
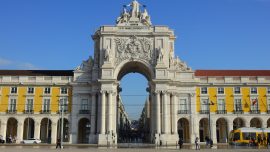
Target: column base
107, 140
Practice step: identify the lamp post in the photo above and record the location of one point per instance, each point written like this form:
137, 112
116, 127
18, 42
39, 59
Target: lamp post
62, 122
209, 117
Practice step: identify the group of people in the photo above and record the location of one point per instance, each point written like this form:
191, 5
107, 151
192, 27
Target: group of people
261, 141
9, 139
209, 143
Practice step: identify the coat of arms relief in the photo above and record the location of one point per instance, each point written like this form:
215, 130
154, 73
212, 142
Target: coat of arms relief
133, 48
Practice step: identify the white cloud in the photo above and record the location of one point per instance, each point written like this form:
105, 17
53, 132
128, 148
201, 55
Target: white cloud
4, 62
17, 65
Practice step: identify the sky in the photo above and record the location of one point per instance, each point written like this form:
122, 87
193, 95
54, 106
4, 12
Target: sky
211, 34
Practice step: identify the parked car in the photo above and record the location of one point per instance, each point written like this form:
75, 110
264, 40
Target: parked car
31, 141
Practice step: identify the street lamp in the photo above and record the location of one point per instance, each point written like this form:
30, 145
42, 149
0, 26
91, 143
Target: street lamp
209, 116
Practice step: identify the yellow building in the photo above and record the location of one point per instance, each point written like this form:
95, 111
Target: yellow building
30, 103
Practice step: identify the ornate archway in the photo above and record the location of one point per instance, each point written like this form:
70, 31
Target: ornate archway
12, 125
204, 129
134, 45
28, 128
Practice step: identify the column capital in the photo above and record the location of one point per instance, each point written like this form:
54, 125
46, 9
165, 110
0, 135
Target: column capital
103, 91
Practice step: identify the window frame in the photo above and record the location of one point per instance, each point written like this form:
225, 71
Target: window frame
204, 91
253, 91
235, 90
220, 90
29, 91
63, 90
46, 91
12, 91
48, 106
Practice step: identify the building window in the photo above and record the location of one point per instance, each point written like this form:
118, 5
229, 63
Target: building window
85, 104
253, 90
221, 90
237, 90
12, 105
268, 90
30, 90
204, 106
221, 105
183, 106
63, 104
13, 90
29, 105
46, 105
47, 90
204, 90
237, 105
64, 90
254, 105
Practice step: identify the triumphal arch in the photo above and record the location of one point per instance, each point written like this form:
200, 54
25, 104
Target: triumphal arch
133, 44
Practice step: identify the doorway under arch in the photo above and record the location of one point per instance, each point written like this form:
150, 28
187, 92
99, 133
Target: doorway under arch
183, 129
222, 130
84, 130
204, 129
45, 130
133, 102
28, 128
12, 125
65, 130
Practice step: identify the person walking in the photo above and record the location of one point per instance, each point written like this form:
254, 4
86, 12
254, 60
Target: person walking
58, 143
180, 143
197, 145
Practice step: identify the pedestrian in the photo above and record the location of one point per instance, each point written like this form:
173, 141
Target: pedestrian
197, 145
58, 143
180, 143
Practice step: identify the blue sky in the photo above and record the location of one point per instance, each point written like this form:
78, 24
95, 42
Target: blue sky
211, 34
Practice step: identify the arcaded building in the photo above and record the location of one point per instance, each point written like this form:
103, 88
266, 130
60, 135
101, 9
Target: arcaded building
182, 103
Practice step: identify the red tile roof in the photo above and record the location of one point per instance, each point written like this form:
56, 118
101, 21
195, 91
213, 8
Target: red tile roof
36, 72
232, 73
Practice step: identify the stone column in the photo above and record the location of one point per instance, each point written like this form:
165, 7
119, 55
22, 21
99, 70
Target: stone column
37, 130
169, 114
153, 116
158, 112
164, 113
109, 112
213, 131
103, 112
53, 132
93, 114
3, 129
194, 128
20, 132
175, 113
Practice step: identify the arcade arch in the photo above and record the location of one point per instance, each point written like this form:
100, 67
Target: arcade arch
204, 129
45, 130
222, 130
84, 130
255, 122
28, 128
183, 129
238, 123
65, 129
12, 125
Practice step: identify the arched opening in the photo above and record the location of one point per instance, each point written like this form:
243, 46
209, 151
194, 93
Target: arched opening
204, 129
46, 130
84, 130
238, 123
65, 126
183, 129
28, 128
268, 123
255, 122
133, 102
222, 130
12, 125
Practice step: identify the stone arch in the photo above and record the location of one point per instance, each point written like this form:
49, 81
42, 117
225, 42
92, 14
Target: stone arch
45, 130
268, 123
183, 129
238, 123
204, 129
84, 127
12, 125
134, 66
222, 130
28, 128
66, 129
256, 122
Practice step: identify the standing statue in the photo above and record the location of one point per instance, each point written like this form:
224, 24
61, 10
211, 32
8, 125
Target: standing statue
160, 54
107, 54
135, 12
